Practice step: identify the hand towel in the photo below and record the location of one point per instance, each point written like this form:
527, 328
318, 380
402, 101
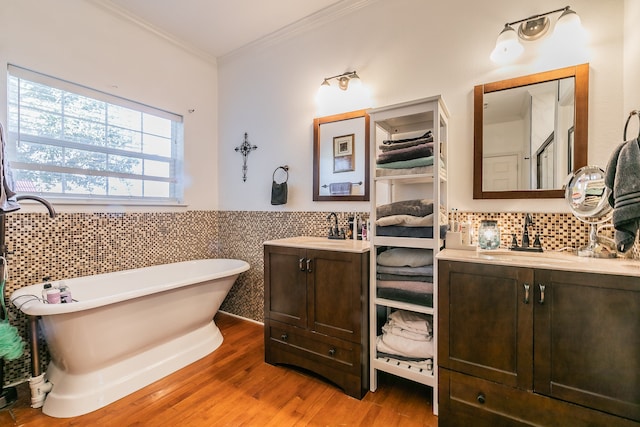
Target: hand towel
8, 202
340, 188
622, 178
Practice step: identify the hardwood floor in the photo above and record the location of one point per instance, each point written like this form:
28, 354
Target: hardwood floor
234, 387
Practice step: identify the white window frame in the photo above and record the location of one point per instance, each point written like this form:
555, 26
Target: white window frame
175, 161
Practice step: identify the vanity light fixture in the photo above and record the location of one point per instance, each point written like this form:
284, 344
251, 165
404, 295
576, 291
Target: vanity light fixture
343, 79
508, 46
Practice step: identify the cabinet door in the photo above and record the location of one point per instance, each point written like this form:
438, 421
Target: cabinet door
485, 322
337, 286
285, 293
587, 340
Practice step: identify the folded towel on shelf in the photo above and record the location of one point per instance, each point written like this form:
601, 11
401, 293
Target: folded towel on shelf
416, 322
385, 148
409, 153
408, 285
399, 331
419, 278
622, 178
425, 270
409, 257
340, 188
415, 232
393, 344
405, 164
415, 207
427, 135
407, 171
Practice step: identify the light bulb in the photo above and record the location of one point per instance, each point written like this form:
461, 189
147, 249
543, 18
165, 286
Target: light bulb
508, 47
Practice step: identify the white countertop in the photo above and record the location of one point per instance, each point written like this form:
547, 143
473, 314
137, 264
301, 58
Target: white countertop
322, 243
546, 260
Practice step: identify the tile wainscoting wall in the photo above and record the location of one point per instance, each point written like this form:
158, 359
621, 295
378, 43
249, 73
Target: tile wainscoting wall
74, 245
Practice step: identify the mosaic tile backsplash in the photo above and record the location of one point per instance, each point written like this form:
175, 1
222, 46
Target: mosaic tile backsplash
80, 244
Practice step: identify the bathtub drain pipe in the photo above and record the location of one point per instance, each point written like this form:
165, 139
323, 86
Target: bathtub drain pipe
37, 383
39, 388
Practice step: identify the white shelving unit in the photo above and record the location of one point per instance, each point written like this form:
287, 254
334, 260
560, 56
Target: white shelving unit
401, 121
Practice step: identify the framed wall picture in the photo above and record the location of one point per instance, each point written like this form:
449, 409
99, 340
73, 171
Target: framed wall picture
343, 160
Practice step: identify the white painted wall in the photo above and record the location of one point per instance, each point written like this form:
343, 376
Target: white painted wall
403, 50
78, 41
631, 64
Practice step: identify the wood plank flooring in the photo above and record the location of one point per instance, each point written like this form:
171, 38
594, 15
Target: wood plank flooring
234, 387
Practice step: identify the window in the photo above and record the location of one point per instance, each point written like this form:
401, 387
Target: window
72, 142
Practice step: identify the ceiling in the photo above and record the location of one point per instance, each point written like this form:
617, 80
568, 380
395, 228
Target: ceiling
217, 27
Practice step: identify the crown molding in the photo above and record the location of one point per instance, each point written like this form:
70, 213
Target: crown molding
118, 11
307, 23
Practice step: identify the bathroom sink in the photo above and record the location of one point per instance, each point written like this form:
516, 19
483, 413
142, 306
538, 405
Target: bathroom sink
539, 258
323, 243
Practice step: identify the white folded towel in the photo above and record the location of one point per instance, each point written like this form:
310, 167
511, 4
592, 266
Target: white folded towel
401, 332
411, 321
394, 344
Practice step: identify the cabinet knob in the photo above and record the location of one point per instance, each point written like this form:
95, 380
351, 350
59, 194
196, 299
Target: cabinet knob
301, 264
481, 398
308, 266
284, 337
332, 352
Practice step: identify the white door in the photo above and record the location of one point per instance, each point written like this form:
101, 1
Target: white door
500, 173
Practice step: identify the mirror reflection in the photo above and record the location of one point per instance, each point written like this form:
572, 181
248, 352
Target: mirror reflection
530, 133
341, 157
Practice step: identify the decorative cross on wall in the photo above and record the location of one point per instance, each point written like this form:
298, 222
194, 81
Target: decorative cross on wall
245, 149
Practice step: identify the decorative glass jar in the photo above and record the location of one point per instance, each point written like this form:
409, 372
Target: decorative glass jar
488, 235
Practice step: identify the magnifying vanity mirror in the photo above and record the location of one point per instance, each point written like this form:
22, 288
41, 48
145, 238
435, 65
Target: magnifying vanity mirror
341, 157
530, 132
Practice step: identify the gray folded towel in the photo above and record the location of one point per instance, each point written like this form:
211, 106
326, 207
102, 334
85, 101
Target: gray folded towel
622, 177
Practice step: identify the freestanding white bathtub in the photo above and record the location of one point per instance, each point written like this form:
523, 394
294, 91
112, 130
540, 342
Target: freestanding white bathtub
127, 329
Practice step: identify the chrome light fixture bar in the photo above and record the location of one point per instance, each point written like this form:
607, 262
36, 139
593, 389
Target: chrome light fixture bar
343, 79
508, 46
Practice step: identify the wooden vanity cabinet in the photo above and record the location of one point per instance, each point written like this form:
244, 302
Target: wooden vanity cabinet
534, 347
316, 313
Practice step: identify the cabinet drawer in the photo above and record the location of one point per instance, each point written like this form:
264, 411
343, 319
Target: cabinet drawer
333, 352
463, 397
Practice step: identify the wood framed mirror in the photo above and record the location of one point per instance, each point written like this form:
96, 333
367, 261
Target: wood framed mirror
530, 133
341, 157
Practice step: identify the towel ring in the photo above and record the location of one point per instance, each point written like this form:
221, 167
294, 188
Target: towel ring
631, 114
285, 168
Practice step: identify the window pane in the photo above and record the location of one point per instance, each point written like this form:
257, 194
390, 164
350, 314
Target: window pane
156, 125
125, 164
38, 153
155, 168
40, 124
38, 180
84, 159
85, 185
157, 145
84, 131
40, 97
81, 106
125, 187
124, 117
157, 189
124, 139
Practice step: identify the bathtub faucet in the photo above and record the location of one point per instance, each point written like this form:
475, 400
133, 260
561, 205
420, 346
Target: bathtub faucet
49, 206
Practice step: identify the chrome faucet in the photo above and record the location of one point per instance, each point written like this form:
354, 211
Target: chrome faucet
49, 206
334, 231
525, 233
